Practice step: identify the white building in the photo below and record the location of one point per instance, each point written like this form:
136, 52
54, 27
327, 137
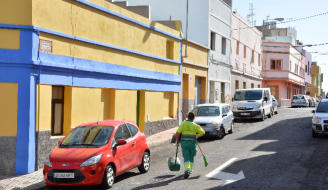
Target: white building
246, 55
204, 22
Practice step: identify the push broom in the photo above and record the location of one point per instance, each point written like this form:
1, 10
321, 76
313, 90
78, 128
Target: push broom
204, 157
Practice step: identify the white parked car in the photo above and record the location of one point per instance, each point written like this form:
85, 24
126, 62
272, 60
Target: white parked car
274, 105
215, 119
252, 103
320, 119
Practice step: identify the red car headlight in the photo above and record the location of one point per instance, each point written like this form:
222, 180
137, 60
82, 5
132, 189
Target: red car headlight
91, 161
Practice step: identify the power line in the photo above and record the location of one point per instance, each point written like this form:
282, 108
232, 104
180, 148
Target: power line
304, 18
289, 21
307, 45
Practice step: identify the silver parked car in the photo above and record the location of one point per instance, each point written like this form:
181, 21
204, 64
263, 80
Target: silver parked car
215, 119
320, 119
300, 101
312, 102
274, 105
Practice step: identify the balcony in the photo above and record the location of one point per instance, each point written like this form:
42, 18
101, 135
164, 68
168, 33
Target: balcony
284, 75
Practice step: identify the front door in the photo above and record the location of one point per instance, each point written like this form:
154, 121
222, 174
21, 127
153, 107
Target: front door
198, 88
123, 152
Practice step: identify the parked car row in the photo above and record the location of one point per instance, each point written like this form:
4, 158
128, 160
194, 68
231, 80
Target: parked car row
303, 101
218, 120
95, 153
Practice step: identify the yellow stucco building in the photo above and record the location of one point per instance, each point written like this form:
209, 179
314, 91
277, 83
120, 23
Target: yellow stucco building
63, 63
194, 75
314, 89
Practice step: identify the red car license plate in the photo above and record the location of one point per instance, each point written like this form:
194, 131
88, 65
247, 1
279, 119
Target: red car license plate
63, 175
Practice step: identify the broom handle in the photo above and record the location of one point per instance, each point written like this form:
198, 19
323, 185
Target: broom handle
176, 154
200, 149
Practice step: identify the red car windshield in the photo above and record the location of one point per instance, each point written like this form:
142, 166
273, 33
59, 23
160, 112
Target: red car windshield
88, 137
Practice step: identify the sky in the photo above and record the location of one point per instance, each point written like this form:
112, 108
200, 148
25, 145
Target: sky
309, 31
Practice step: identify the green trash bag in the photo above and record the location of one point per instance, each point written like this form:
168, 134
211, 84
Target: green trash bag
174, 162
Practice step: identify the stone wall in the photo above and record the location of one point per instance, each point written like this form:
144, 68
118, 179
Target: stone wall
45, 143
7, 155
159, 126
284, 103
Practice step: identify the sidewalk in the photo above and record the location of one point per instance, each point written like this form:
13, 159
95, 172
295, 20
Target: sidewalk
35, 180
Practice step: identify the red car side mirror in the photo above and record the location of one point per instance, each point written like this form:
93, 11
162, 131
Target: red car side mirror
60, 141
121, 142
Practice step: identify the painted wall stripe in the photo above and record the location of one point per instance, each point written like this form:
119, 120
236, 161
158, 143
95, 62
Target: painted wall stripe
44, 30
85, 2
64, 62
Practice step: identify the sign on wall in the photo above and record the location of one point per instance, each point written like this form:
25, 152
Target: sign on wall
45, 46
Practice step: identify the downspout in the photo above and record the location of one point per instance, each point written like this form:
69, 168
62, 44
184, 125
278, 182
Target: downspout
180, 90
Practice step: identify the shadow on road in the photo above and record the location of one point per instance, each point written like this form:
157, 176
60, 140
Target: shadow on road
164, 182
291, 159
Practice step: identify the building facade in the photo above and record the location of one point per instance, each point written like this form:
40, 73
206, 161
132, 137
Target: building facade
315, 89
63, 63
308, 64
206, 23
194, 76
246, 55
219, 73
283, 71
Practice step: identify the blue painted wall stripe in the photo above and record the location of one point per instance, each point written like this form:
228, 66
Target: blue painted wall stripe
44, 30
126, 18
65, 62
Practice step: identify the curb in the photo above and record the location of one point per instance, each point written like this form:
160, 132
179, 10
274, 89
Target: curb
161, 138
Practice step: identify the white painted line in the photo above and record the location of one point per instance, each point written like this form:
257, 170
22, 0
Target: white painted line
220, 168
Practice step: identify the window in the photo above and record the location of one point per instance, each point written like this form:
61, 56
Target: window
206, 111
245, 51
237, 84
259, 59
252, 85
237, 47
132, 129
169, 49
88, 136
57, 110
306, 68
244, 85
258, 86
223, 45
296, 69
275, 65
253, 54
122, 133
213, 35
248, 95
224, 110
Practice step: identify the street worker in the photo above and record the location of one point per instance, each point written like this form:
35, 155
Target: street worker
187, 134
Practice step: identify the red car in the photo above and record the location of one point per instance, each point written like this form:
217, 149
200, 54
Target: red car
95, 153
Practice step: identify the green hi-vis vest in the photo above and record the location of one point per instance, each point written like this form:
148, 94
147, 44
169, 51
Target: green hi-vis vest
189, 130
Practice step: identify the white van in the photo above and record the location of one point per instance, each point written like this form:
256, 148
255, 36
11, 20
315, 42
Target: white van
252, 103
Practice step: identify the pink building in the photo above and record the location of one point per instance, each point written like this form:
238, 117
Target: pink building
283, 70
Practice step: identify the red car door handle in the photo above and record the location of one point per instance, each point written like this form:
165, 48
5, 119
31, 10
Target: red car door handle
134, 143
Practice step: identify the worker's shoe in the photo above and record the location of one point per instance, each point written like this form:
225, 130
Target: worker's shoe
186, 174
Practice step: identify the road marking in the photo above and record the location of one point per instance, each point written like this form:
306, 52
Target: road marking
228, 177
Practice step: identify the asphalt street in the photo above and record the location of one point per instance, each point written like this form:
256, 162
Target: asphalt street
278, 153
